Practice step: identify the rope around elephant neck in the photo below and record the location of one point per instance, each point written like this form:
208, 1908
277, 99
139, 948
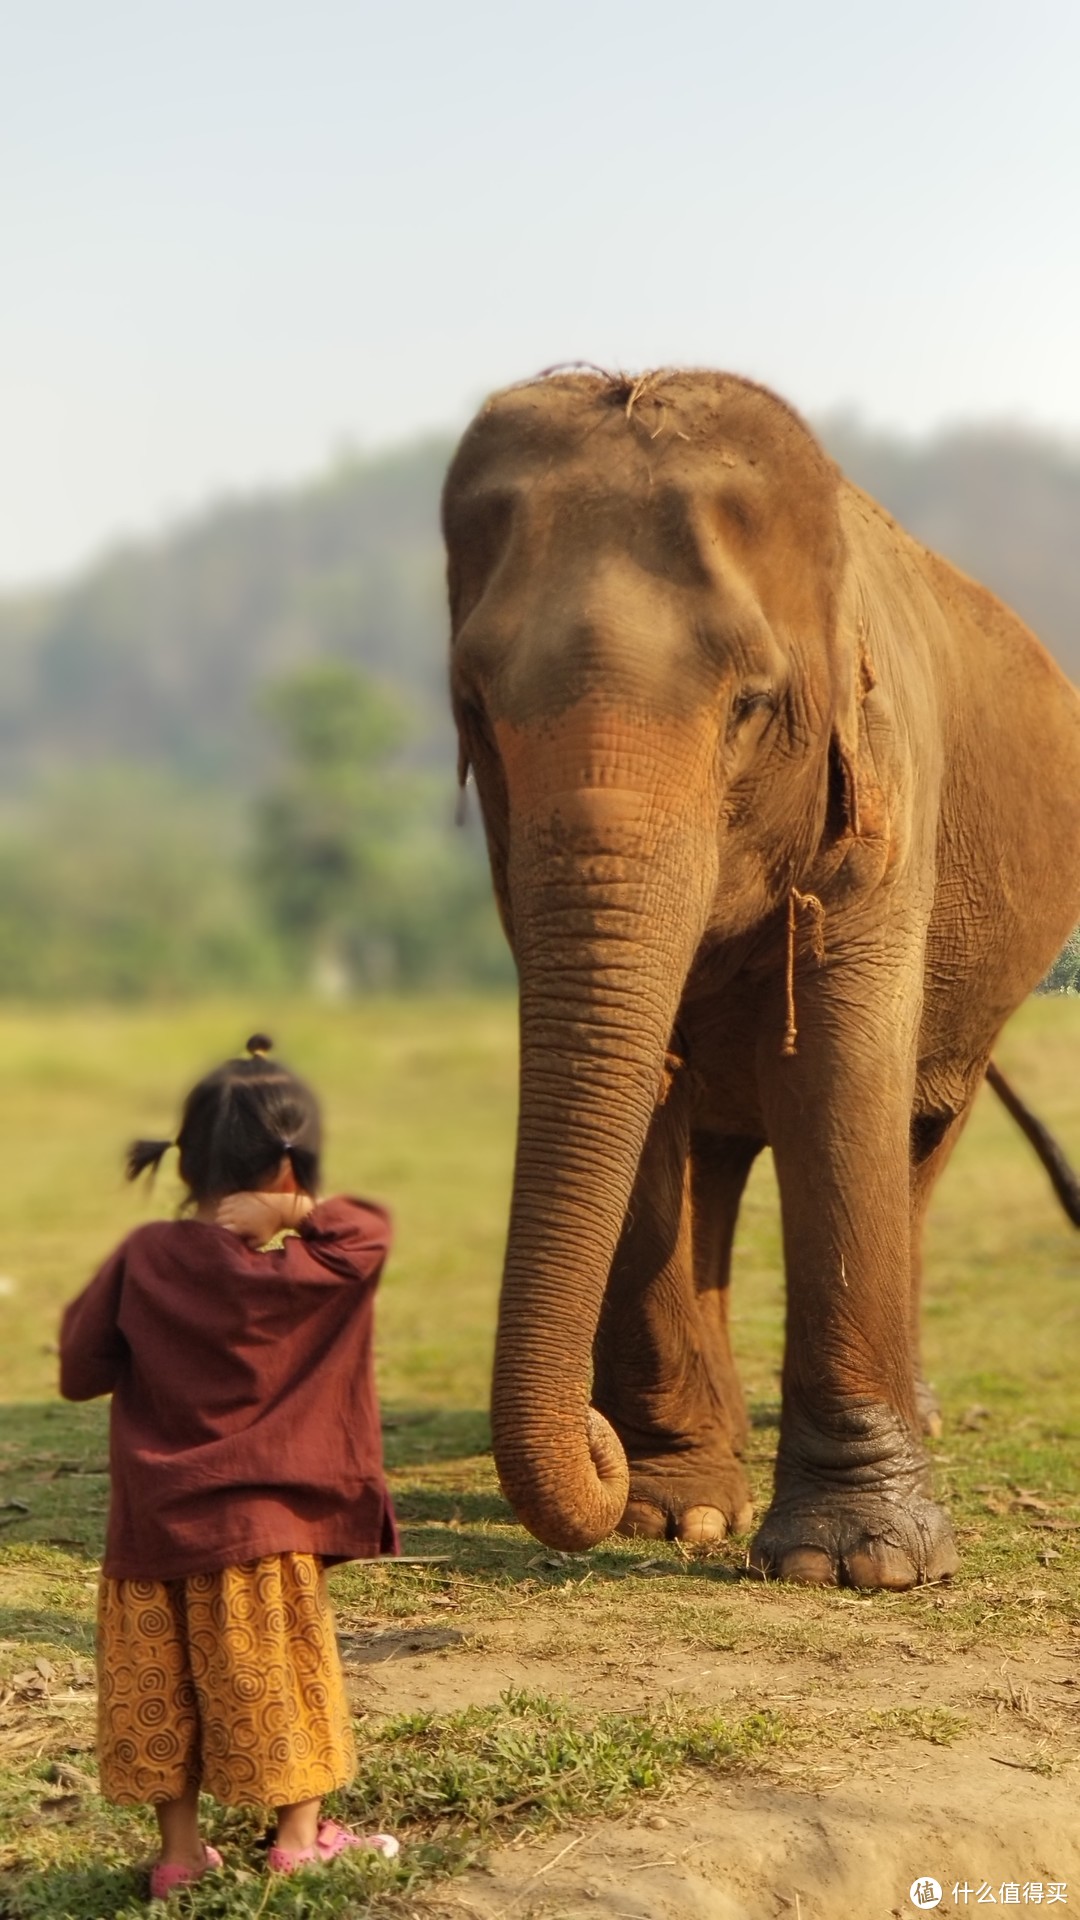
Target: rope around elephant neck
800, 903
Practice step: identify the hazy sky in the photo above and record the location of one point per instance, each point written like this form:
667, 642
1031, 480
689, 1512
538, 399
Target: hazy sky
238, 234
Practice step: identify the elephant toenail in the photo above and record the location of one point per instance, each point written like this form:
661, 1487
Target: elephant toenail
643, 1521
808, 1567
702, 1526
877, 1566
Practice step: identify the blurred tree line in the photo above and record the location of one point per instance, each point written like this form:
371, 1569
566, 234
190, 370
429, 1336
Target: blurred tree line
226, 757
339, 871
1064, 975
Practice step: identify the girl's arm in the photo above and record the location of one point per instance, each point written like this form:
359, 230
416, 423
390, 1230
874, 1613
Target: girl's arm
257, 1217
91, 1344
350, 1238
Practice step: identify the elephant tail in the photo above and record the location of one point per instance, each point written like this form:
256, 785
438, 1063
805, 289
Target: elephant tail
1062, 1177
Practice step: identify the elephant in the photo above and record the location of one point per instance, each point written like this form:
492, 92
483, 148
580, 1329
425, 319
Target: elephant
783, 819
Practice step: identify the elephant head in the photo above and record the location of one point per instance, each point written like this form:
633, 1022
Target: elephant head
654, 683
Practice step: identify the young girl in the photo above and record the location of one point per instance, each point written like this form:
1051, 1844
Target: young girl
245, 1453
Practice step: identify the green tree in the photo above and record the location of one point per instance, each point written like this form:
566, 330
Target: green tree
120, 883
354, 858
1064, 975
330, 818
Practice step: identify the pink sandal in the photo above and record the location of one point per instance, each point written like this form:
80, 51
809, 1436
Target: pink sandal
330, 1841
166, 1878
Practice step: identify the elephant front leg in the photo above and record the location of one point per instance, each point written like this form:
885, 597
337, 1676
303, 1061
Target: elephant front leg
664, 1374
852, 1494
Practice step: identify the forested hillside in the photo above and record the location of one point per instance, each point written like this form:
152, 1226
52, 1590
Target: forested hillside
157, 653
144, 759
1002, 504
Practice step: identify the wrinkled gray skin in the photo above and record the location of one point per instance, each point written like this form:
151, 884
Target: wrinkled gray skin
695, 670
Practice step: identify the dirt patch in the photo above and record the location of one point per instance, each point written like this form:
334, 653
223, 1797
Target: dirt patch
906, 1763
378, 1649
759, 1850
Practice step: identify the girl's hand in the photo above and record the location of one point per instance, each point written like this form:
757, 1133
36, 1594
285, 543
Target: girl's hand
257, 1217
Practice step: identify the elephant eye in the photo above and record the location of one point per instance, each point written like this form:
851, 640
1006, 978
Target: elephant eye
751, 700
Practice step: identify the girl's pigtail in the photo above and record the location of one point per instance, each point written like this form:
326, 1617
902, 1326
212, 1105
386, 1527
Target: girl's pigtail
145, 1153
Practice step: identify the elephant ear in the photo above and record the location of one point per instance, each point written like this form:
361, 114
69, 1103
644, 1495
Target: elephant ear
857, 680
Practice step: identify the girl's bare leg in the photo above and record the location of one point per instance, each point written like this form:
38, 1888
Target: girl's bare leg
181, 1844
298, 1825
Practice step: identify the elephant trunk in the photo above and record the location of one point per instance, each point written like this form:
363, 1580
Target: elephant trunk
608, 890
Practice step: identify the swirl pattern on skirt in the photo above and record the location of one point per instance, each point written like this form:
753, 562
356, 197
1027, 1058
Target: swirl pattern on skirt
229, 1678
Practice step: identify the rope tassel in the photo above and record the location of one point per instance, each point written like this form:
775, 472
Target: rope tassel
810, 904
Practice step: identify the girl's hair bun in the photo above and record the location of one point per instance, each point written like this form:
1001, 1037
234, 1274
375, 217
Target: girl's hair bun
235, 1124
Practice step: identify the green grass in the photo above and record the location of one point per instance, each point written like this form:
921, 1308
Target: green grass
447, 1784
419, 1099
935, 1724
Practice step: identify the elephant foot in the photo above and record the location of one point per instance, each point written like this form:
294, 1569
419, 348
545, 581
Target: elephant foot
864, 1539
699, 1506
851, 1505
928, 1407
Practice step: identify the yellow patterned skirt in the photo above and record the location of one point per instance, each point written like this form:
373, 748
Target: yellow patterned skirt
232, 1679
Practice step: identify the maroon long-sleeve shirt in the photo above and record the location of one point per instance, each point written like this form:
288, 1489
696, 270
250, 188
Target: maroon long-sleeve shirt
244, 1417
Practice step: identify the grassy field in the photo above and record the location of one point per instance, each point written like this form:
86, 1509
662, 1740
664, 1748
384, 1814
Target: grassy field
419, 1099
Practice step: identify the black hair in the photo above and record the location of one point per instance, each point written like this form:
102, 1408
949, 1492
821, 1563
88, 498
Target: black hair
237, 1125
